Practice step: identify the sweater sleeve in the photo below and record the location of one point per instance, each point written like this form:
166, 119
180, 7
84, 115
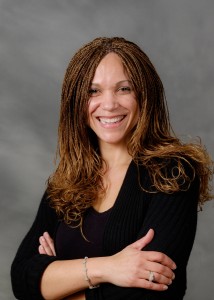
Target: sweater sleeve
28, 265
173, 218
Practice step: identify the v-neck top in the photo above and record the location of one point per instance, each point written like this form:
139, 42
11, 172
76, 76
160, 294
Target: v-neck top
69, 241
71, 244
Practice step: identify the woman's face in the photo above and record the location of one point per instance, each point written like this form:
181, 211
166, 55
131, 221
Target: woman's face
113, 110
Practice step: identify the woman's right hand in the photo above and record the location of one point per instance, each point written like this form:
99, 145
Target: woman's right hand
46, 245
131, 267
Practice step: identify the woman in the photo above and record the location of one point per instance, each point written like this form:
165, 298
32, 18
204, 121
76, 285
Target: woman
125, 192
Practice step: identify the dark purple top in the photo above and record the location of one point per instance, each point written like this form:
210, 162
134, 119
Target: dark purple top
69, 242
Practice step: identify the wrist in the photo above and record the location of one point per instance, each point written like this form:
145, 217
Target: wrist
87, 278
98, 269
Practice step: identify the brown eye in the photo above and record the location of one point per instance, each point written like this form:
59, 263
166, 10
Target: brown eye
93, 92
124, 90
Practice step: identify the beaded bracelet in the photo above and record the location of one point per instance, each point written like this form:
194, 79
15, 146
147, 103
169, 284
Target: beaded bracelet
91, 286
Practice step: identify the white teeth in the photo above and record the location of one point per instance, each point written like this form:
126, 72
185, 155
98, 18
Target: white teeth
111, 120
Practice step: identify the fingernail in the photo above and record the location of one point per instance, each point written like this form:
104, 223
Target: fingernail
174, 266
173, 276
165, 287
170, 282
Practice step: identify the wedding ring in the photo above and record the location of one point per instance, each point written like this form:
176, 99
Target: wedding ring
151, 276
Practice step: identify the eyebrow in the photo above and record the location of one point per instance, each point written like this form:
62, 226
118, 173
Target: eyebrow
117, 83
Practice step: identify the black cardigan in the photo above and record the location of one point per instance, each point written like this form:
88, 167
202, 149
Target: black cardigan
172, 216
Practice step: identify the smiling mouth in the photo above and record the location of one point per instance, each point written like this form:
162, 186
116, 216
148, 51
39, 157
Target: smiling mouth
114, 120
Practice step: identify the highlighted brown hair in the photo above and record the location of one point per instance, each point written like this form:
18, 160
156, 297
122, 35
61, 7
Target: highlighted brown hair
77, 181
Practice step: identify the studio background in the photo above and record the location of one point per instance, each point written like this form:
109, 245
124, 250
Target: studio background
37, 40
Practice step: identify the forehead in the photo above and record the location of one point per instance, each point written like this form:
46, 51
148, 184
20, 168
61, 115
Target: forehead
111, 59
110, 66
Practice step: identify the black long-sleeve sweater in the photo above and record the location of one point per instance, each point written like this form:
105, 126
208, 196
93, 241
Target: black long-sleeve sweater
172, 216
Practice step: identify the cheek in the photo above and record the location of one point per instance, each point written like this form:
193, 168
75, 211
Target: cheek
91, 110
92, 106
136, 111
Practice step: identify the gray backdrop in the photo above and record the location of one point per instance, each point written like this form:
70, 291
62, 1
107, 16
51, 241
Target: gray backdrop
37, 39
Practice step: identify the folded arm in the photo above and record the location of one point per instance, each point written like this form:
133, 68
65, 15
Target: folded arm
64, 278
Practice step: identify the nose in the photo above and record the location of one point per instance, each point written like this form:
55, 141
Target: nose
109, 101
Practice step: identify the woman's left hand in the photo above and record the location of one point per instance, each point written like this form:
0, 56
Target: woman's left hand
46, 245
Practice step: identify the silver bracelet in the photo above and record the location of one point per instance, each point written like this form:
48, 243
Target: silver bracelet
91, 286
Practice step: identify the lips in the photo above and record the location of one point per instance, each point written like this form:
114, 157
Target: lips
112, 120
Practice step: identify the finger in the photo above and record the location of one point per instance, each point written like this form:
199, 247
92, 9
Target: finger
161, 258
46, 246
146, 239
159, 278
160, 269
50, 242
149, 285
41, 250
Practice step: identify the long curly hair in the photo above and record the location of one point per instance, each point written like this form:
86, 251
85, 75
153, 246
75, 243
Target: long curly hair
78, 179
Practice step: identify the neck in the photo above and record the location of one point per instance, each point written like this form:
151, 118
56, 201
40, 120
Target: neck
115, 156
